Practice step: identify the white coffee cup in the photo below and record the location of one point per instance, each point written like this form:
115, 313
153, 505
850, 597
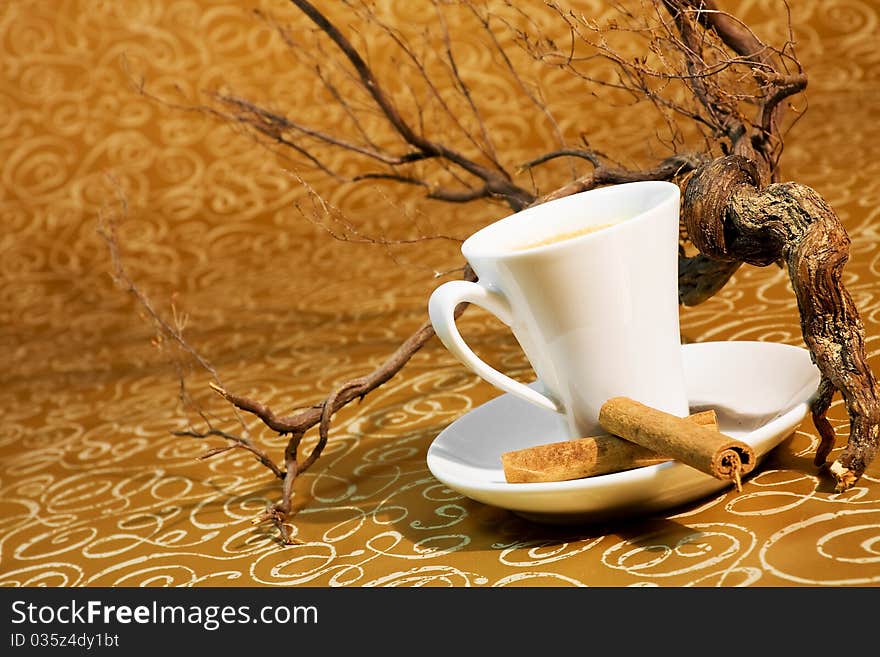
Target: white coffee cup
596, 314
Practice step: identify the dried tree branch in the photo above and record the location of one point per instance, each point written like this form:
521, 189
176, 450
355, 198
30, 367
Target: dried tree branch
237, 443
669, 169
735, 90
497, 181
731, 217
173, 331
297, 425
341, 395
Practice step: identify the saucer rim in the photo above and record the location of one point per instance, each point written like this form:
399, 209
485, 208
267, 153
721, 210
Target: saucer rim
772, 432
798, 411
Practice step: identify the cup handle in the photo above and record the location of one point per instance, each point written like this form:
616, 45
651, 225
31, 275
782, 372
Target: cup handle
441, 309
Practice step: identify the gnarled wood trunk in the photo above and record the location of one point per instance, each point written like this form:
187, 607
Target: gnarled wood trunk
731, 218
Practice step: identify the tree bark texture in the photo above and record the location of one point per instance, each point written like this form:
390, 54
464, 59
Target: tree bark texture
731, 218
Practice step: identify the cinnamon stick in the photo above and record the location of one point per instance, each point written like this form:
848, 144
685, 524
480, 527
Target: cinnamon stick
706, 450
586, 457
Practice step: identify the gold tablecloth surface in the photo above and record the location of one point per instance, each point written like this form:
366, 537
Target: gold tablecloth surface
95, 490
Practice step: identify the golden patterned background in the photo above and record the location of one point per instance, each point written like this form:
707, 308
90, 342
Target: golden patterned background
94, 488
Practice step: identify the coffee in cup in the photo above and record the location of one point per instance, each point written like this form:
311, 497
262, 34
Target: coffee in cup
564, 236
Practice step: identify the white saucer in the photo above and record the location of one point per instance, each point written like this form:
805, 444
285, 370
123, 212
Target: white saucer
761, 391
